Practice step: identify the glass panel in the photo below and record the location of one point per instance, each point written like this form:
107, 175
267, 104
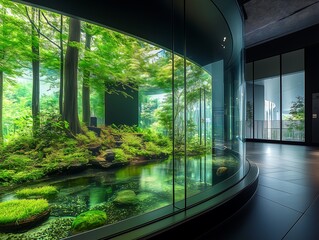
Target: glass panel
293, 95
267, 98
179, 120
198, 98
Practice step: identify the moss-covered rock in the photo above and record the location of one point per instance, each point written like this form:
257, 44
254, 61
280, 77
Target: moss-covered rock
38, 192
20, 214
126, 197
88, 220
221, 171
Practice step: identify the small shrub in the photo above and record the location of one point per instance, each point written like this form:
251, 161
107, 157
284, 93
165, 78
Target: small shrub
132, 140
16, 161
120, 156
6, 175
152, 148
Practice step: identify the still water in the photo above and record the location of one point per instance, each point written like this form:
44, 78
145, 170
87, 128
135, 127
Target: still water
150, 185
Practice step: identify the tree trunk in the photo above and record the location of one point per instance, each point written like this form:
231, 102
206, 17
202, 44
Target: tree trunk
70, 104
86, 87
61, 66
1, 106
35, 71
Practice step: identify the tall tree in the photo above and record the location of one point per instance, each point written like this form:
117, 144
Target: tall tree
61, 66
55, 60
35, 68
12, 48
70, 104
86, 108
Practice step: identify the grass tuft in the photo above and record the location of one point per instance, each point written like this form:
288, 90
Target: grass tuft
17, 210
45, 191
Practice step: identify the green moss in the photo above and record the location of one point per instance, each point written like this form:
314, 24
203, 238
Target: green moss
88, 220
18, 210
15, 161
45, 192
6, 175
27, 175
126, 197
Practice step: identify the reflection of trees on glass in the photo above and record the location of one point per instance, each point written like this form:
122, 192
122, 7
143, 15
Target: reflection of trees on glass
157, 111
296, 115
249, 118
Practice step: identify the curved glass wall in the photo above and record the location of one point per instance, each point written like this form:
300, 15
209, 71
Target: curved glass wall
114, 122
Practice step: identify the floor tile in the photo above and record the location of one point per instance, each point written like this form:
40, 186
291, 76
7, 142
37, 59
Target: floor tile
305, 229
298, 202
260, 219
286, 203
286, 175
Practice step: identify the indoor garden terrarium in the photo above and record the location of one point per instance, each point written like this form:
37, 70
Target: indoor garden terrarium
98, 126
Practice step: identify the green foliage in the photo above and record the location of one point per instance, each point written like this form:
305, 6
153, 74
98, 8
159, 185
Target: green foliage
88, 220
53, 127
131, 139
26, 175
120, 155
6, 175
44, 192
152, 149
20, 143
16, 162
59, 160
14, 211
297, 115
87, 137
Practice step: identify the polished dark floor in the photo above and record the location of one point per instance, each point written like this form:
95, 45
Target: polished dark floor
286, 203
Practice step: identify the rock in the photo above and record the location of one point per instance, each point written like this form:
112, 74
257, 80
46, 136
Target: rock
126, 197
97, 130
221, 171
100, 162
88, 220
108, 155
95, 149
118, 143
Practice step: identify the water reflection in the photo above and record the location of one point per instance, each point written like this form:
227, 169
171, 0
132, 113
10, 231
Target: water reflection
133, 190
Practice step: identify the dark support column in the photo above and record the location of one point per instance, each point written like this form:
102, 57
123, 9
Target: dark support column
121, 109
311, 86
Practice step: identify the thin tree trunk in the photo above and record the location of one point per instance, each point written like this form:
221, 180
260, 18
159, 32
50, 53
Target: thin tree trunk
61, 67
1, 106
35, 72
86, 87
70, 104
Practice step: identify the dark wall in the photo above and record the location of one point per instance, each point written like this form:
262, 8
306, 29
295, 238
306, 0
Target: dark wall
309, 40
312, 86
121, 109
301, 39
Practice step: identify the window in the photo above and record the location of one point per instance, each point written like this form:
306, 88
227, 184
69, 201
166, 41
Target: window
275, 98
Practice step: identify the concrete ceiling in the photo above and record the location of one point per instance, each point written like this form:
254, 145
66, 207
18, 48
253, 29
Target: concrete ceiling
269, 19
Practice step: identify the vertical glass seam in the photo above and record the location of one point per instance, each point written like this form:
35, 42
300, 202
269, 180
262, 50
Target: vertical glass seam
253, 99
280, 97
173, 103
185, 115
